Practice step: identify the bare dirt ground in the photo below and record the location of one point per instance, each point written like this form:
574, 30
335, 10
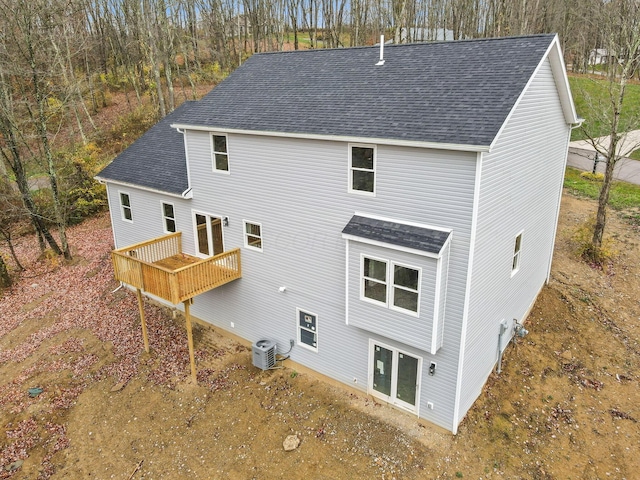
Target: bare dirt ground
566, 404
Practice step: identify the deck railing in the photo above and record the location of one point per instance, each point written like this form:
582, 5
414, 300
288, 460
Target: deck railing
134, 265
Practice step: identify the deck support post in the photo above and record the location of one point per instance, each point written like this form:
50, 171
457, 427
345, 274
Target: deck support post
187, 314
142, 320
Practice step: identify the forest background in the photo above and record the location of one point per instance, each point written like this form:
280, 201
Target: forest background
61, 62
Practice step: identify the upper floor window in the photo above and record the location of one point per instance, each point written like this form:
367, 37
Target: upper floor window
253, 235
515, 265
169, 217
390, 284
125, 207
362, 169
220, 153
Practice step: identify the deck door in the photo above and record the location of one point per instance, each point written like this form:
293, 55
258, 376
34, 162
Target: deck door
394, 376
209, 240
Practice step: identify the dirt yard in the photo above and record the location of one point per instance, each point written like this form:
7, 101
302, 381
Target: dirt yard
566, 404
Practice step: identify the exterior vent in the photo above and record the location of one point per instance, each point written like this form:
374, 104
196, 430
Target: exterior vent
264, 354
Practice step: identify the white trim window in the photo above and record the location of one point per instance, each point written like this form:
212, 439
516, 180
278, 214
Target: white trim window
125, 207
168, 217
219, 153
362, 169
378, 275
307, 329
374, 280
515, 265
253, 235
405, 294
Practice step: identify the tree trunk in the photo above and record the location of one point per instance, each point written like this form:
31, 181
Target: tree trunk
5, 278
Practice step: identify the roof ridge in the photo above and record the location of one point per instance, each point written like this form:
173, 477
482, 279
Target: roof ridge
414, 44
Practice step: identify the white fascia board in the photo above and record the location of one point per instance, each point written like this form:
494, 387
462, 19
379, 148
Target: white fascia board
559, 70
564, 92
107, 181
340, 138
390, 246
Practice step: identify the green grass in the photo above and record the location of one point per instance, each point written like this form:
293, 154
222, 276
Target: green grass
592, 100
635, 155
623, 195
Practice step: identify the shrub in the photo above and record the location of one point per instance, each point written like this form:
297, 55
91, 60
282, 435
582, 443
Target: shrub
596, 177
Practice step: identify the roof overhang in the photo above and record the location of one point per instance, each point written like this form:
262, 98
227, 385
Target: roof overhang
187, 194
408, 237
339, 138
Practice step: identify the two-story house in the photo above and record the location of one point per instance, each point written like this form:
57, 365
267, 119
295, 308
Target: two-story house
392, 217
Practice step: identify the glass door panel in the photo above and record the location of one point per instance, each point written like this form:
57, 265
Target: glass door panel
203, 237
382, 369
407, 378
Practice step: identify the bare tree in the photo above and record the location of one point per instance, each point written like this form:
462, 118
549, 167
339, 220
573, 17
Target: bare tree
622, 41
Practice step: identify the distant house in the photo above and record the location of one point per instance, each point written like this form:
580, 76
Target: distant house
598, 56
426, 35
393, 221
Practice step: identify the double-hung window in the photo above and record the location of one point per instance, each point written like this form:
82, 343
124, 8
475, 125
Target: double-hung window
391, 284
253, 235
362, 169
169, 217
220, 153
125, 207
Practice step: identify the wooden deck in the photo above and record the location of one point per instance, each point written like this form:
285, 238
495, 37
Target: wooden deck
159, 267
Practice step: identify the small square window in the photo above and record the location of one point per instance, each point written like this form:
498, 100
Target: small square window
515, 265
253, 235
220, 153
125, 206
168, 214
362, 162
307, 330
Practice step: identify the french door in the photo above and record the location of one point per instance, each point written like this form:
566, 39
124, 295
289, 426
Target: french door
394, 376
209, 239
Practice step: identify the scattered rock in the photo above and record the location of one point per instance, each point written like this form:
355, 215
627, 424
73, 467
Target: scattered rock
118, 386
34, 392
291, 443
12, 467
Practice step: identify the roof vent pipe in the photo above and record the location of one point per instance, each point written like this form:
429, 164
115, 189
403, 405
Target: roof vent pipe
381, 62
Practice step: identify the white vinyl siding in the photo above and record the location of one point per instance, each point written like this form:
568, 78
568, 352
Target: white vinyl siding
276, 181
524, 169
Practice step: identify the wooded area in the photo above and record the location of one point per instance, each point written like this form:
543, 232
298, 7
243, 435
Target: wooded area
60, 61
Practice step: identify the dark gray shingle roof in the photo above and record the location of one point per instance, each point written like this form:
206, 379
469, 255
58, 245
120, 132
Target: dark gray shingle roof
156, 160
448, 92
400, 234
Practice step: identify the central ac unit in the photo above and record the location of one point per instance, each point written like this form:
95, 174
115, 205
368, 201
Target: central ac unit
264, 354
